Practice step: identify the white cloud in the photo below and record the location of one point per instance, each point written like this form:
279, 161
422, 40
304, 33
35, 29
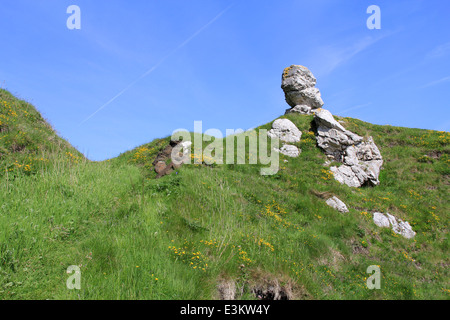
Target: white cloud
354, 108
433, 83
333, 56
439, 51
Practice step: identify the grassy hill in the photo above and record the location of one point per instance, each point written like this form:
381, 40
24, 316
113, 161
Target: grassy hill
208, 231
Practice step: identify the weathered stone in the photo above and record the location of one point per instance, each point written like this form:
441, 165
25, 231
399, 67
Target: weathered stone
310, 97
361, 160
298, 84
381, 220
302, 109
160, 166
332, 137
289, 150
297, 78
337, 204
398, 226
285, 130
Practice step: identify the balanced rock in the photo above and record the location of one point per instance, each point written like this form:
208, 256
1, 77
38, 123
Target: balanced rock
298, 84
398, 226
337, 204
285, 130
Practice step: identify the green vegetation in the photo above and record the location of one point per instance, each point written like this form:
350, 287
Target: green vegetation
179, 237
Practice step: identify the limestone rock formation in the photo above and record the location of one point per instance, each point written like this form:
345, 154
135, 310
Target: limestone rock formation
289, 150
398, 226
337, 204
285, 130
361, 159
298, 84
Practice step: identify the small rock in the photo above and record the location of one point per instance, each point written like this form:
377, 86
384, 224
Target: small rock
337, 204
398, 226
289, 150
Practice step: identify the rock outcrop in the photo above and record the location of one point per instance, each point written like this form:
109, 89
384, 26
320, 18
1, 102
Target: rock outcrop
286, 131
337, 204
361, 160
398, 226
298, 84
171, 157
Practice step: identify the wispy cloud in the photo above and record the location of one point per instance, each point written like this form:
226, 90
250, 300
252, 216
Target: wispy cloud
439, 51
333, 56
433, 83
354, 108
157, 64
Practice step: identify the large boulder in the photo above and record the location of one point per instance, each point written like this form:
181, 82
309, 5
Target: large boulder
332, 137
361, 159
285, 130
298, 84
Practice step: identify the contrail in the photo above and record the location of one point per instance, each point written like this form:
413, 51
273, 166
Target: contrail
158, 63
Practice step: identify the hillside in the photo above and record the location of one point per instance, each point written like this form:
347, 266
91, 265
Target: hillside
217, 231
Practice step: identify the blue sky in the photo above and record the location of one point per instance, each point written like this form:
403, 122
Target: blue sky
164, 64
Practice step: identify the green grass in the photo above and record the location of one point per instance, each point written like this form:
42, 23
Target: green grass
178, 237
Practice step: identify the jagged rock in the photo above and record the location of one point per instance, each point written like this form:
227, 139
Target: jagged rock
332, 137
361, 160
352, 176
337, 204
285, 130
298, 84
398, 226
289, 150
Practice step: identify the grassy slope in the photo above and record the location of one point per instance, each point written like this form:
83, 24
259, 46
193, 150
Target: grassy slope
178, 237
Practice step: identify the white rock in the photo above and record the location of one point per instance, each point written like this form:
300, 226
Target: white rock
302, 109
298, 84
310, 97
289, 150
337, 204
361, 160
381, 220
398, 226
297, 78
285, 130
